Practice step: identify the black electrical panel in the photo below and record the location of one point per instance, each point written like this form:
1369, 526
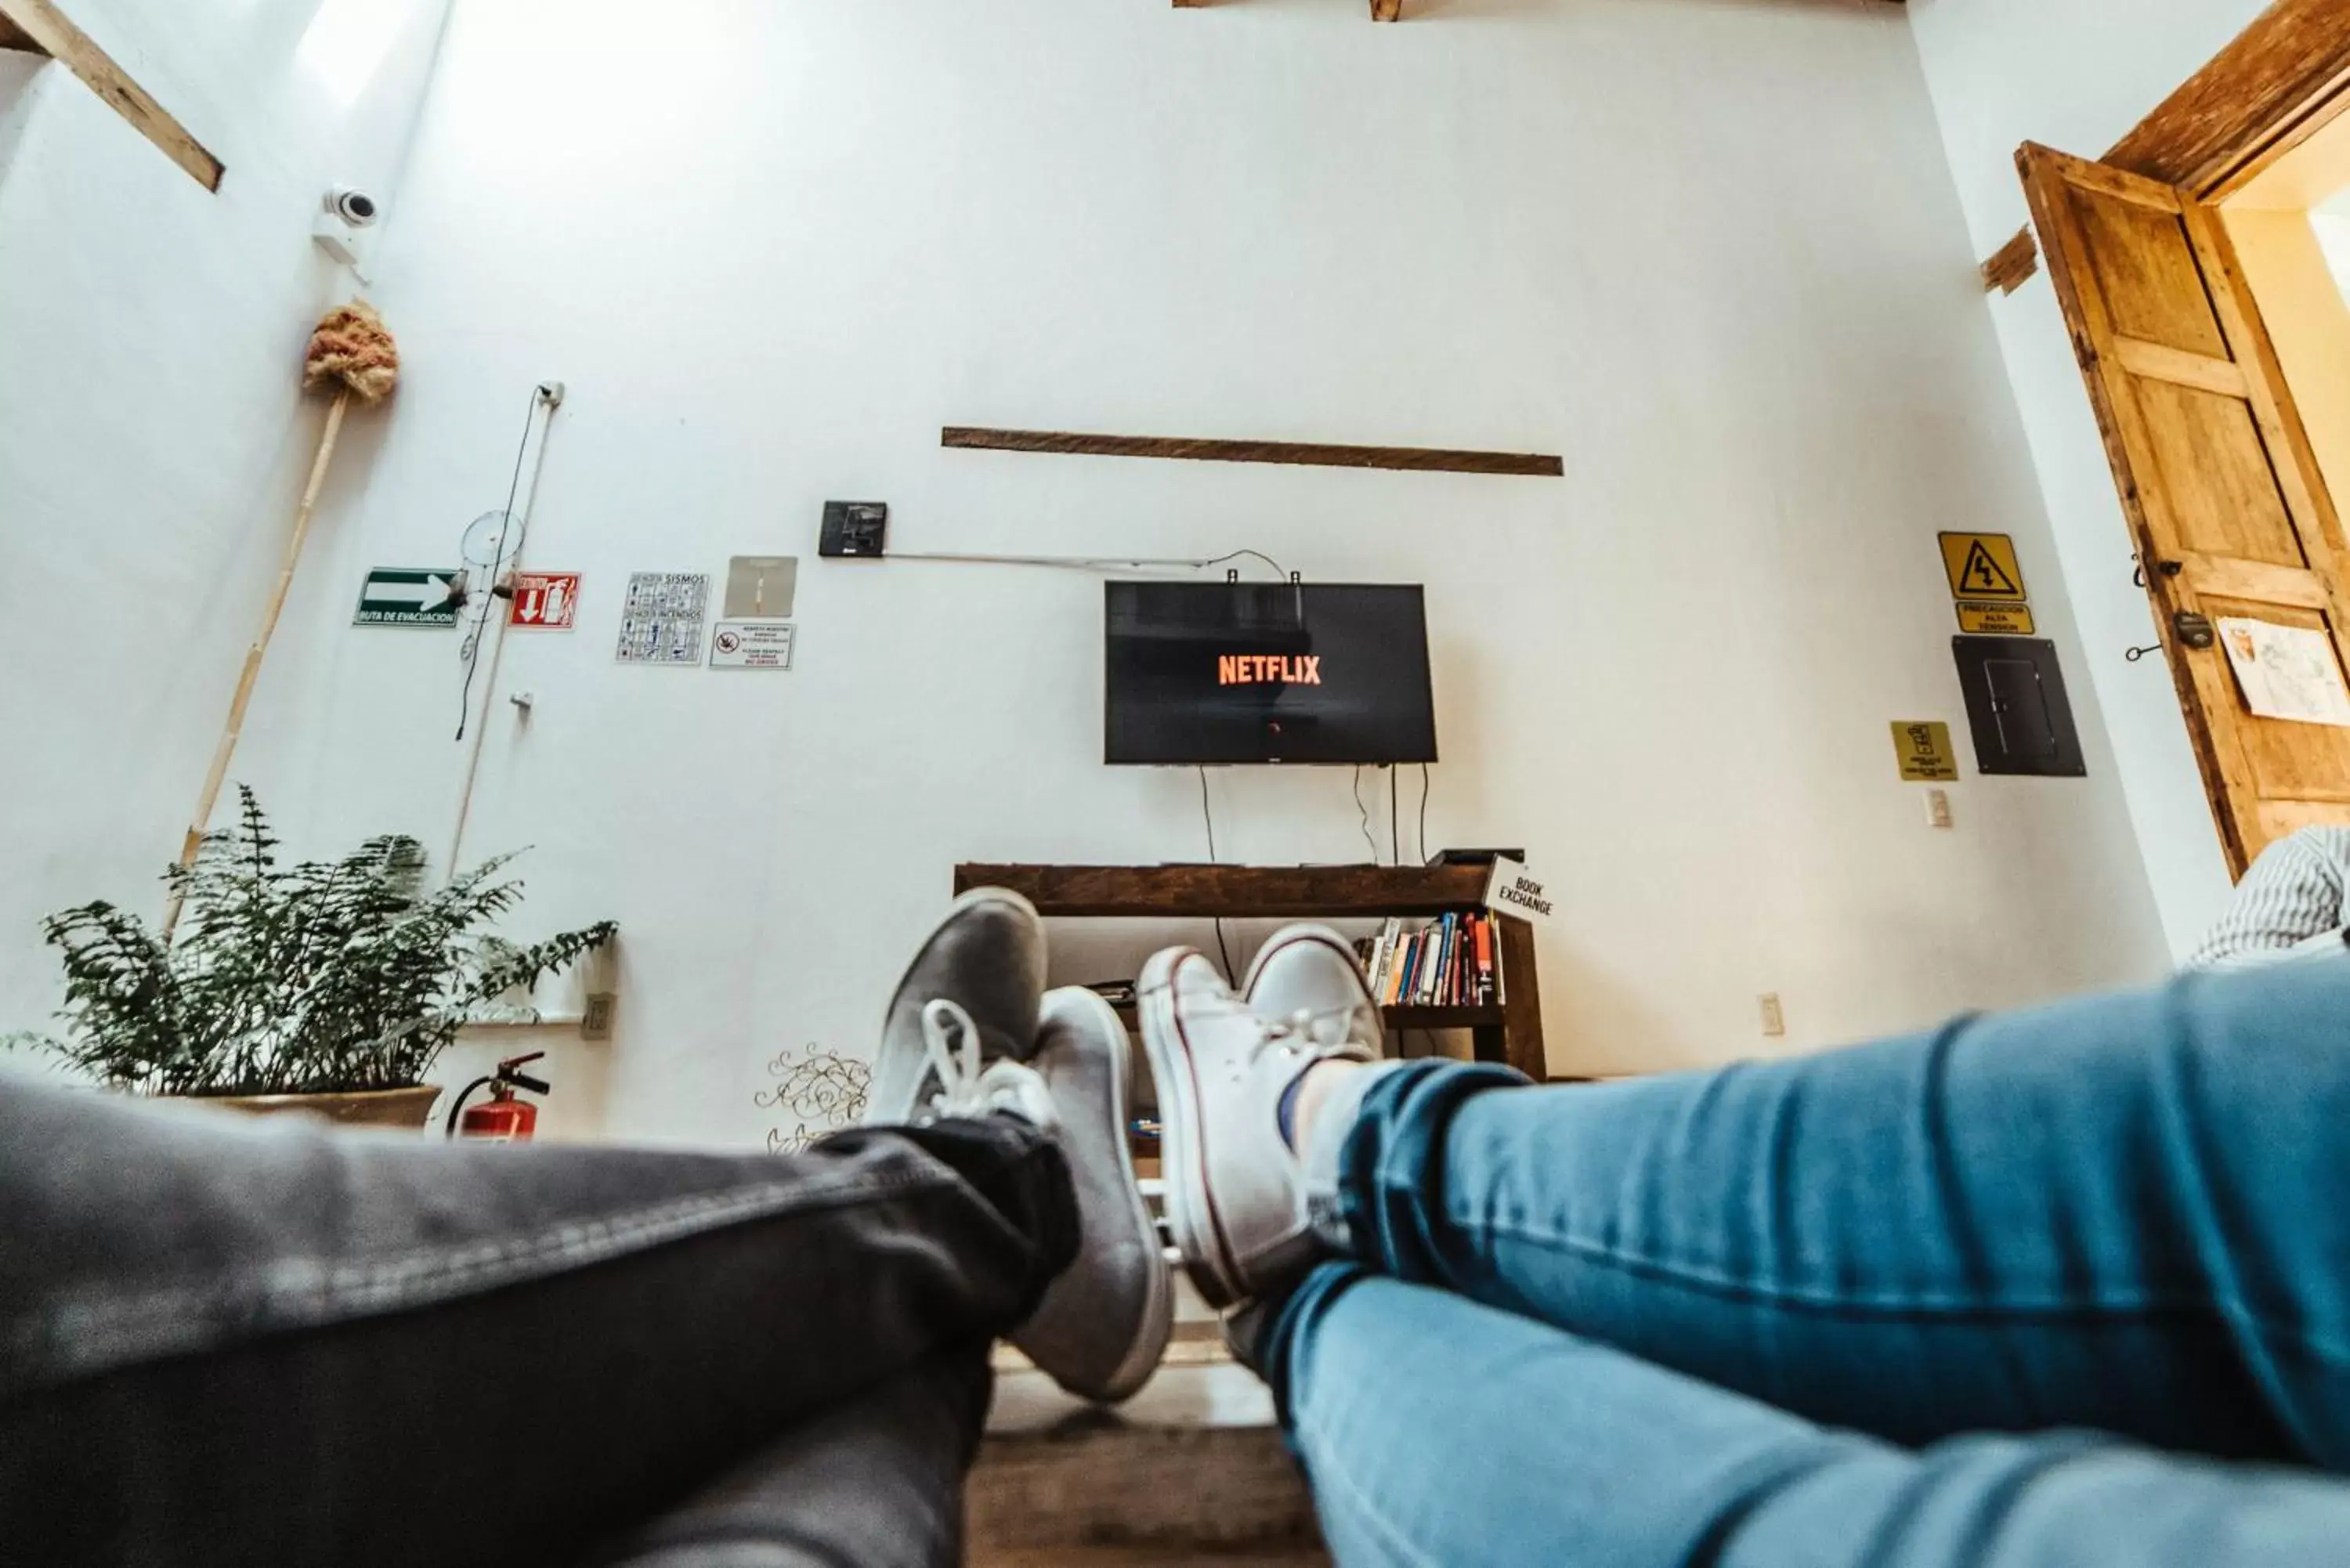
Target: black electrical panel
2016, 707
854, 528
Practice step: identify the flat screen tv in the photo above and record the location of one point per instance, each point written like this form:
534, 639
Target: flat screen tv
1268, 672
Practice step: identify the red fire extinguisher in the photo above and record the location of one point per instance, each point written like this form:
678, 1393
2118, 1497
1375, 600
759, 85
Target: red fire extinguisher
504, 1118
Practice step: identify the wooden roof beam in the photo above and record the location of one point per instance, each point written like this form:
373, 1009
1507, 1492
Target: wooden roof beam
1381, 10
40, 27
2013, 265
2251, 103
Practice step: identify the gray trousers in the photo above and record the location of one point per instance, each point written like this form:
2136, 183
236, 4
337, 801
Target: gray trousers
234, 1342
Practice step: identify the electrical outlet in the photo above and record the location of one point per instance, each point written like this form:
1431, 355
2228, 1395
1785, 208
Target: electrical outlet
1937, 808
1775, 1017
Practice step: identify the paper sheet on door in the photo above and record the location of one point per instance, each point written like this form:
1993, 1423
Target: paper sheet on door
2286, 671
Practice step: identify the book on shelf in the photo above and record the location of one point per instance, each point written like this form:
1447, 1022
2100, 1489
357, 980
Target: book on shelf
1450, 961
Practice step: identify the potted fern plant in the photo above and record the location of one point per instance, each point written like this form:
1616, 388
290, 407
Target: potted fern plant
321, 987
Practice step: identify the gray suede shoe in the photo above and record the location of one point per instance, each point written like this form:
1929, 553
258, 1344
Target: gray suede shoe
1102, 1327
973, 992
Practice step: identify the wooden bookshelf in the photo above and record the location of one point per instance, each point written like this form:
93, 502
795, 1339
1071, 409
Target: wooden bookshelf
1510, 1033
1405, 1017
1410, 1017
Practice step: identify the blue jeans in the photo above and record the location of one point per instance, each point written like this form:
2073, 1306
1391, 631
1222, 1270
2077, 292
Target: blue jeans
1965, 1298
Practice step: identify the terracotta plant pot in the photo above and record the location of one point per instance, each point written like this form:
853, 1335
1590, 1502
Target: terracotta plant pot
409, 1108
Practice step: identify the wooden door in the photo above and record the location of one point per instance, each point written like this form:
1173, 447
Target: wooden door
2229, 512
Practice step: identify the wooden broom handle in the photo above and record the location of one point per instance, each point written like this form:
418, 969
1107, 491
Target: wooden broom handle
236, 726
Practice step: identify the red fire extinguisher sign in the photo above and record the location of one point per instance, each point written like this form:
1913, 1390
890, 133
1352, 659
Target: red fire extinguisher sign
547, 600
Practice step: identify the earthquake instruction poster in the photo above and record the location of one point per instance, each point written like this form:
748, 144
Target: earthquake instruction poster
662, 618
2286, 671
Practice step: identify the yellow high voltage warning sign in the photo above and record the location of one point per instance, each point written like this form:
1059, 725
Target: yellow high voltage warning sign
1997, 617
1982, 566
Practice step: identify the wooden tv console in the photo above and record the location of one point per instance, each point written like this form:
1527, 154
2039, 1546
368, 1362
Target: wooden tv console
1512, 1032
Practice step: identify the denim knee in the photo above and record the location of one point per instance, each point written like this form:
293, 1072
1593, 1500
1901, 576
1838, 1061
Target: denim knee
1389, 1180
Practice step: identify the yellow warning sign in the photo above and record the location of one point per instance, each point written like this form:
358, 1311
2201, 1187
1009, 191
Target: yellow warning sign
1997, 619
1982, 566
1923, 746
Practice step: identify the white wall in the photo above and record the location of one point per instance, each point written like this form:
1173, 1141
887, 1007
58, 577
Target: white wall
2076, 75
2301, 305
151, 438
1708, 253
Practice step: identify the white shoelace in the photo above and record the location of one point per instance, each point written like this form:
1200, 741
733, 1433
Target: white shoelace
1306, 1029
1309, 1026
969, 1086
951, 1050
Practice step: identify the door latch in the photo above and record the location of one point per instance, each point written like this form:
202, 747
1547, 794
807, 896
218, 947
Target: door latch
2193, 630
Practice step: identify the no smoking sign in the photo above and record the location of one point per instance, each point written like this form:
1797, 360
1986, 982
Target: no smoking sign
752, 644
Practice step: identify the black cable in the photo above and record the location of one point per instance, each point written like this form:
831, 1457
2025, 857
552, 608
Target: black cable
497, 557
457, 1106
1085, 563
1210, 818
1364, 812
1423, 813
1395, 830
1206, 816
1260, 554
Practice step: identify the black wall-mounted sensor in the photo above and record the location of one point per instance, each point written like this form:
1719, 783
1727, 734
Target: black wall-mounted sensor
854, 528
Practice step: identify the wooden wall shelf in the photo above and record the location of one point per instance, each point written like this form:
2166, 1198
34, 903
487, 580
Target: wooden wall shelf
1268, 892
1510, 1033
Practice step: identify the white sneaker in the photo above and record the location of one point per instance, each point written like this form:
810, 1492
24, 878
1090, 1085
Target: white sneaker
1235, 1189
1102, 1328
1308, 979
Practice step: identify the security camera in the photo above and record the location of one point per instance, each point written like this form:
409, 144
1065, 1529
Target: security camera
353, 206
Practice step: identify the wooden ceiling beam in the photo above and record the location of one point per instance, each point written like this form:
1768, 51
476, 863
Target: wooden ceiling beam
1312, 454
2269, 91
2258, 99
1381, 10
2013, 265
49, 31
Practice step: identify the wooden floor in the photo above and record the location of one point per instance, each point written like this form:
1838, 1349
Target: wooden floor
1190, 1471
